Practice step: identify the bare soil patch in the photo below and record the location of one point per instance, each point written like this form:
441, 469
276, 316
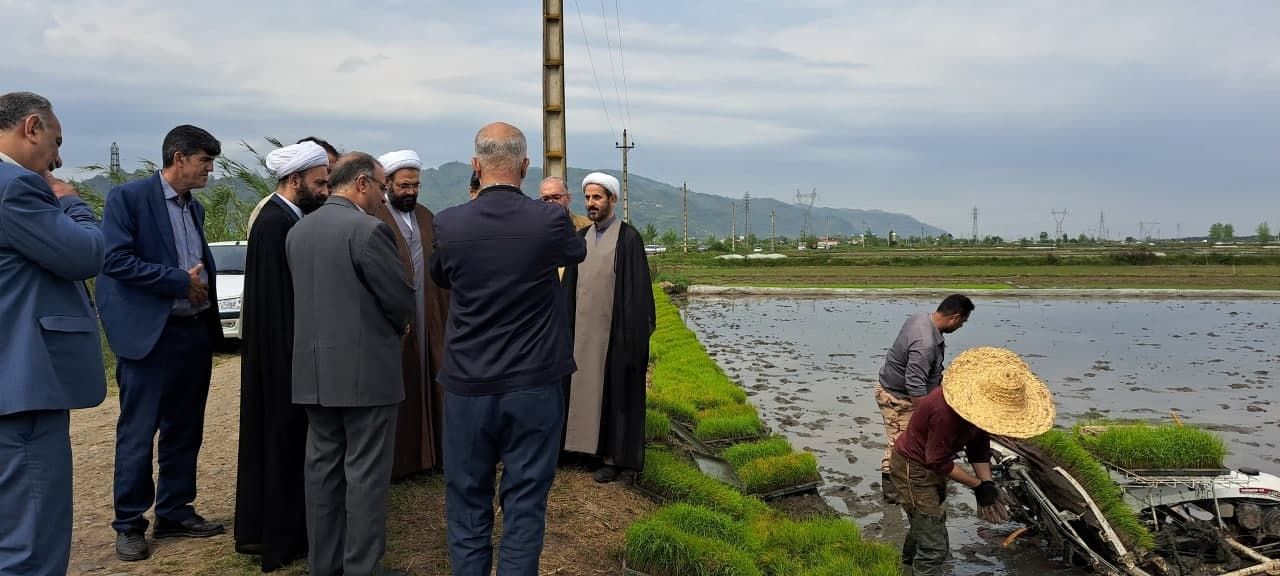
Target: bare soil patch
586, 522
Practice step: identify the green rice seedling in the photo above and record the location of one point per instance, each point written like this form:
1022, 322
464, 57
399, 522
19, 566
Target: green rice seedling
728, 427
807, 541
1064, 449
740, 454
674, 406
660, 549
1138, 445
849, 566
707, 523
656, 426
777, 472
675, 480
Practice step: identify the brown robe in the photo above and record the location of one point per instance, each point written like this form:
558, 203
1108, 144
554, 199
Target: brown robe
418, 434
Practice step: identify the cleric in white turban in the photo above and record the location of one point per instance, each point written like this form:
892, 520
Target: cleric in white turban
295, 158
393, 161
609, 183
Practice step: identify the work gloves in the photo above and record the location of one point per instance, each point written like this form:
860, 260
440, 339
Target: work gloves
993, 503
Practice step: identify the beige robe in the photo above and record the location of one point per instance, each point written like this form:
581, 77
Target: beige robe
592, 322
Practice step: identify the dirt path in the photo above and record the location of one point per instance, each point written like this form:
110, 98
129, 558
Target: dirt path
585, 521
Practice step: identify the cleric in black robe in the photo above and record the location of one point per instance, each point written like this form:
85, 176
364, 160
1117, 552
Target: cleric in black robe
270, 517
610, 300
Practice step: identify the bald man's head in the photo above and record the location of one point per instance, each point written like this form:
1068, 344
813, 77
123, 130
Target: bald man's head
501, 155
554, 190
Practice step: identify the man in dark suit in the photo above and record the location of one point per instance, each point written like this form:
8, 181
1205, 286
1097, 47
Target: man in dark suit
507, 348
156, 294
352, 305
51, 356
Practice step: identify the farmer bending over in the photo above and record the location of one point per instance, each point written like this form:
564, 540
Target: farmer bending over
986, 391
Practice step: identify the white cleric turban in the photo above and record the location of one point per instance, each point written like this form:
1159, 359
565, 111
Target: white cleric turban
295, 158
608, 182
392, 161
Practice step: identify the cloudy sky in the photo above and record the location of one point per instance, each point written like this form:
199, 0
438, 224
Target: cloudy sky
1148, 111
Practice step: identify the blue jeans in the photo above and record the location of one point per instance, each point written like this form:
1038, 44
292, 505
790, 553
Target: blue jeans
35, 493
522, 430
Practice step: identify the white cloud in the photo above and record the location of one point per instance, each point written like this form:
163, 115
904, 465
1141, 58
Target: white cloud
927, 107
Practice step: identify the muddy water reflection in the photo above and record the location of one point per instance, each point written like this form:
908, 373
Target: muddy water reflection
810, 365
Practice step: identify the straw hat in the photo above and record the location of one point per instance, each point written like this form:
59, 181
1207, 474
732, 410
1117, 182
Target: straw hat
995, 390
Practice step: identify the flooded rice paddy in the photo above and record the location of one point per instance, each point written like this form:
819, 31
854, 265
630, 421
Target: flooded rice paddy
810, 365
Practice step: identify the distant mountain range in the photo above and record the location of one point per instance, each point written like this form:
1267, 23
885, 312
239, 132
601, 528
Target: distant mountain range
658, 203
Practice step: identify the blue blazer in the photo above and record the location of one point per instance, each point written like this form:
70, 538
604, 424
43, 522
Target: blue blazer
508, 326
141, 278
50, 352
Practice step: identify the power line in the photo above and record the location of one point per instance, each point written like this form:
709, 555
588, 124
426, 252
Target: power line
591, 61
613, 70
622, 57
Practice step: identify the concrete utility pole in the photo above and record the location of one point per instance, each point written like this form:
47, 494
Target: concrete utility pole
625, 147
746, 211
555, 161
733, 227
773, 230
975, 225
684, 208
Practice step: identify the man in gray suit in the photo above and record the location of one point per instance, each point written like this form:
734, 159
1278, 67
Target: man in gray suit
352, 304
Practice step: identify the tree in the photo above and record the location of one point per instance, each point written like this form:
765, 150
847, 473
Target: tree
669, 239
1215, 231
1228, 232
1264, 233
1044, 237
1082, 238
650, 233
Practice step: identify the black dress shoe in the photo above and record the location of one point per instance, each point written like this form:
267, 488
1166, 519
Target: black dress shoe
131, 546
193, 527
606, 474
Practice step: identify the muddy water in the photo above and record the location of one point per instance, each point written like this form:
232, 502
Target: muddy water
810, 365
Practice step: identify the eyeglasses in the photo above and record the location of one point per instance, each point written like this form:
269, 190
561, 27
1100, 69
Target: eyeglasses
553, 197
382, 185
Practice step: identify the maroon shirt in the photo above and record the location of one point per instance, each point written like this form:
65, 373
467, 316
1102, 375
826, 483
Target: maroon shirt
936, 433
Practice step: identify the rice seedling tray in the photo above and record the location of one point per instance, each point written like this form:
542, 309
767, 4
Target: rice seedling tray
651, 495
716, 467
808, 487
726, 442
628, 571
685, 434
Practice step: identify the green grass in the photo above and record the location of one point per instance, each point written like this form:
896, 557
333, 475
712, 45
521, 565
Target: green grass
1063, 448
656, 426
740, 454
1137, 445
777, 472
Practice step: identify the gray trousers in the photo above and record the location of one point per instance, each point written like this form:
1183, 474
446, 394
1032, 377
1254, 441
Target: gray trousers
348, 472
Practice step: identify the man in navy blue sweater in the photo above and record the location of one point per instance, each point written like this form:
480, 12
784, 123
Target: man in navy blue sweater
506, 350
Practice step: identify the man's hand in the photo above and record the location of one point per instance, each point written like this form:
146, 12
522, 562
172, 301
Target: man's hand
993, 503
198, 293
60, 188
